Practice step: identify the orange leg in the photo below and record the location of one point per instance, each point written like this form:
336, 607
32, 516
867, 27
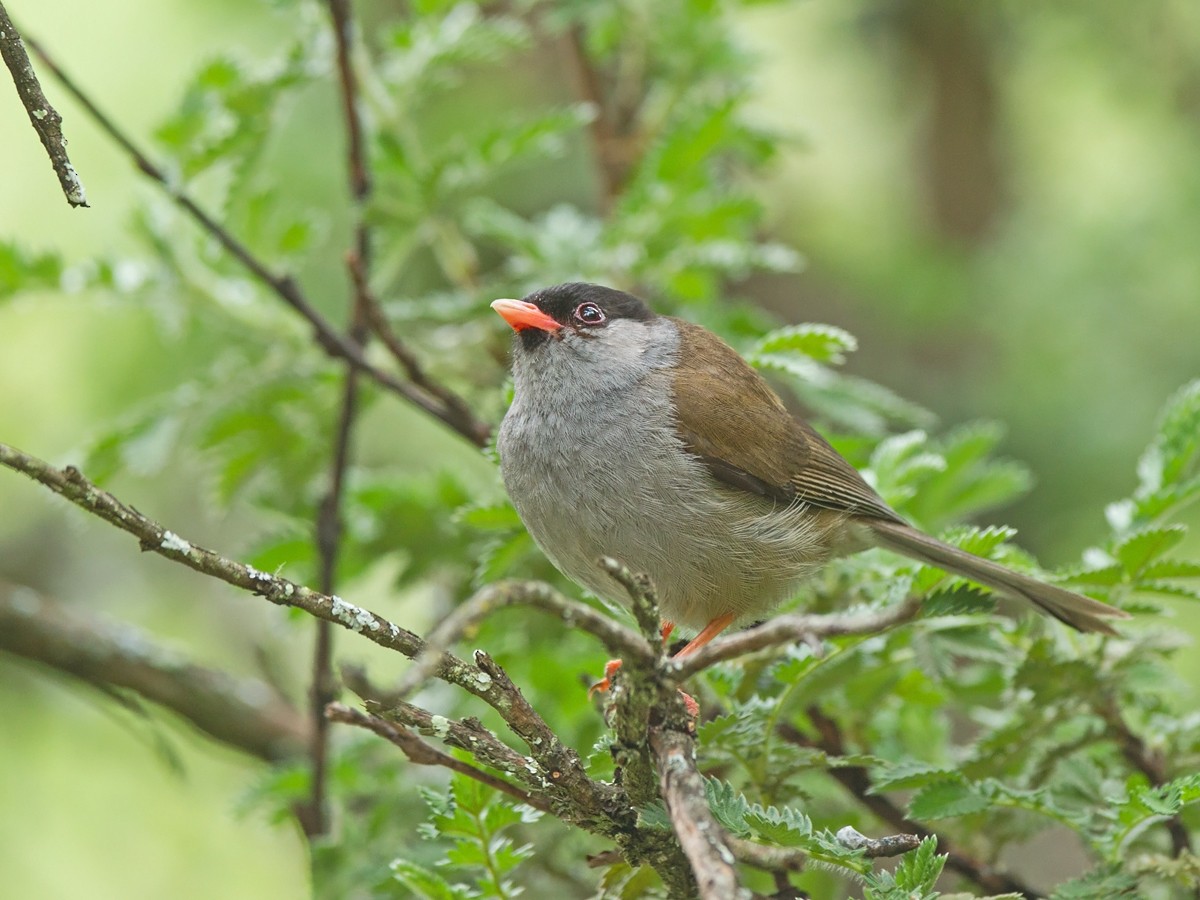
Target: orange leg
711, 630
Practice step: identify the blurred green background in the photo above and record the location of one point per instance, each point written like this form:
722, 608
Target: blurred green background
1001, 201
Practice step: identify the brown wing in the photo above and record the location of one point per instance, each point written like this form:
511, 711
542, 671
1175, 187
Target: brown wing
731, 419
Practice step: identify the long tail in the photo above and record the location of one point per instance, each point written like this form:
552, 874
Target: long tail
1080, 612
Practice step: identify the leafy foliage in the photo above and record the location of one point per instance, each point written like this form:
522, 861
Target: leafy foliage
990, 730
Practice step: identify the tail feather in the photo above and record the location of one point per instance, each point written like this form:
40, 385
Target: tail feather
1080, 612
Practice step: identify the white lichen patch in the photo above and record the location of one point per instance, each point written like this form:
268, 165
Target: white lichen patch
255, 575
440, 725
353, 617
484, 680
172, 541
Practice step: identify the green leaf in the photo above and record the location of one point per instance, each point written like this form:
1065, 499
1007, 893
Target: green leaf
1143, 547
919, 869
427, 883
943, 799
913, 879
822, 343
1099, 884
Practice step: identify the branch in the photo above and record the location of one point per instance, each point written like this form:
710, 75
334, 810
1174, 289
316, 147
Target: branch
704, 841
45, 118
791, 629
243, 713
578, 798
454, 405
857, 781
501, 595
785, 859
423, 754
284, 287
314, 815
71, 484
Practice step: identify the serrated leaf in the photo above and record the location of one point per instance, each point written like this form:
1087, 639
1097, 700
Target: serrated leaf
822, 343
427, 883
1141, 548
1099, 884
907, 775
919, 869
944, 799
491, 517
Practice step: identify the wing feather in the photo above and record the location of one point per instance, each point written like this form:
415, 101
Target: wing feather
727, 412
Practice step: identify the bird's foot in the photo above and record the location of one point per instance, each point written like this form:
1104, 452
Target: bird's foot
610, 669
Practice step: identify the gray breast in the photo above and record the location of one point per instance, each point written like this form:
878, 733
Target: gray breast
591, 458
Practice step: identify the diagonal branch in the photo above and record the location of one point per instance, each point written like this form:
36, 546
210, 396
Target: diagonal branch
587, 800
242, 713
424, 754
45, 118
73, 486
284, 286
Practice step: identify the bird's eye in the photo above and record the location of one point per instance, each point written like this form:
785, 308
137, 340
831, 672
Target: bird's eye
589, 314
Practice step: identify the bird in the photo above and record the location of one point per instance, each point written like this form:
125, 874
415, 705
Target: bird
647, 439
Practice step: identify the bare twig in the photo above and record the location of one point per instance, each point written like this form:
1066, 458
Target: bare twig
451, 402
786, 859
283, 286
466, 734
503, 594
857, 781
423, 754
792, 628
45, 118
242, 713
704, 841
323, 690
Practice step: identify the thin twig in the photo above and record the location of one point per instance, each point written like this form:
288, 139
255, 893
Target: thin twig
452, 402
424, 754
790, 629
45, 118
283, 286
323, 689
503, 594
240, 712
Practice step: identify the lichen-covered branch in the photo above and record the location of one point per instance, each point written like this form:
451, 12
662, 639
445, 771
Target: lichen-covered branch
240, 712
704, 841
424, 754
503, 594
70, 484
45, 118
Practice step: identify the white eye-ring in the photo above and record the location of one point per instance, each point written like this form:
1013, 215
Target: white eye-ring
589, 314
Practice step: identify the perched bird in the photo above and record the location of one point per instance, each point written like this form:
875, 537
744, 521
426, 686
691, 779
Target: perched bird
648, 439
